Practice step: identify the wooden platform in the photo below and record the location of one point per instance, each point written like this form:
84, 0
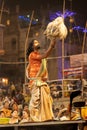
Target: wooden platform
49, 125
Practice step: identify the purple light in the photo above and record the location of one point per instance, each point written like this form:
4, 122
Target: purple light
78, 28
85, 30
55, 15
69, 14
59, 14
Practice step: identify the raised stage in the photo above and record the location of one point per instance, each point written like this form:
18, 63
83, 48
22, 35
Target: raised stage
49, 125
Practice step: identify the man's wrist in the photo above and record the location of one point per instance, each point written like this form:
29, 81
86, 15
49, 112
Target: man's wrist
52, 46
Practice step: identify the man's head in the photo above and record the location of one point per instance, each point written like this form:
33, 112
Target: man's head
36, 45
33, 45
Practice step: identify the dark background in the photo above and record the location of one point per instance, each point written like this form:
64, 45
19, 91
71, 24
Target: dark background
76, 5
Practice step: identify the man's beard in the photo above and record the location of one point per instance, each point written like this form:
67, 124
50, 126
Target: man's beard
37, 47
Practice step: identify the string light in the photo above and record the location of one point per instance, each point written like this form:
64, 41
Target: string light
27, 19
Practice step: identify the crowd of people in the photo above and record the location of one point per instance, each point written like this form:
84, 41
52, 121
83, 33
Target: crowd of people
14, 107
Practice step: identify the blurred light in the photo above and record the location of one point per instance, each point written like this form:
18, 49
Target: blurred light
59, 14
37, 20
71, 20
4, 81
28, 16
85, 30
8, 22
70, 30
37, 34
27, 19
78, 28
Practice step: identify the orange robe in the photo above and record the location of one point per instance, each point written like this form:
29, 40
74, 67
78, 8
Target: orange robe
40, 105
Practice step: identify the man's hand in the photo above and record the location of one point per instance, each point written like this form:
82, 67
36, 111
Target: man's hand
53, 42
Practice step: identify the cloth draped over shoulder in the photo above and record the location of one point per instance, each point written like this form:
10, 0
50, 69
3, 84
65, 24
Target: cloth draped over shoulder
40, 105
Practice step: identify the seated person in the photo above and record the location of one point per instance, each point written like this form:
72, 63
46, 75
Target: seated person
25, 117
14, 118
6, 109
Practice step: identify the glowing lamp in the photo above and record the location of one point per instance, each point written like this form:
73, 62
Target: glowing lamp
70, 30
71, 20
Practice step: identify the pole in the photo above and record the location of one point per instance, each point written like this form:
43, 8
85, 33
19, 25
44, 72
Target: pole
63, 46
83, 44
26, 41
63, 52
1, 11
82, 64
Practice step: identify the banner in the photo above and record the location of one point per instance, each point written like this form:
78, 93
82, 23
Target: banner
73, 72
78, 60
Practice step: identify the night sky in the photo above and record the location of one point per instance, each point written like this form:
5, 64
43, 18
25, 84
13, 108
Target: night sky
77, 5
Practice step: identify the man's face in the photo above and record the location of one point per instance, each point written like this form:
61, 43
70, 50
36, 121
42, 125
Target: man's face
36, 45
